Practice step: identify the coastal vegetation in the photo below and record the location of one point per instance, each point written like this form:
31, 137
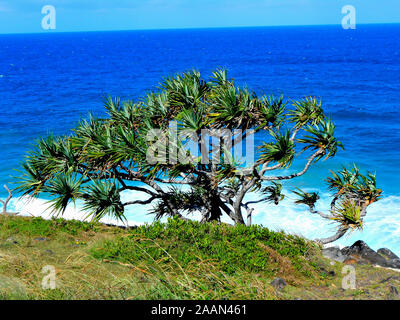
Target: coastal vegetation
160, 147
175, 260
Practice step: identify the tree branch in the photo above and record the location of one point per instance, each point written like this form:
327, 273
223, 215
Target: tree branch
148, 201
249, 214
323, 215
298, 174
341, 232
295, 133
140, 189
5, 202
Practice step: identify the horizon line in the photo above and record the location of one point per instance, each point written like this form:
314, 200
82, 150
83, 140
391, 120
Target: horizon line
196, 28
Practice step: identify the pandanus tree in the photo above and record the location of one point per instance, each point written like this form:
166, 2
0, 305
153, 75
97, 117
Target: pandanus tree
162, 147
353, 193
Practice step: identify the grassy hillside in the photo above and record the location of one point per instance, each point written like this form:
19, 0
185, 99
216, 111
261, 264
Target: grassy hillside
177, 260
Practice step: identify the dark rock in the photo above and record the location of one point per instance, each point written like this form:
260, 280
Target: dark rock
394, 263
388, 254
334, 253
362, 253
41, 239
12, 240
332, 273
363, 262
278, 283
51, 252
393, 290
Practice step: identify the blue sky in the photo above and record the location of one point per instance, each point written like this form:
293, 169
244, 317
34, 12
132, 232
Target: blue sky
90, 15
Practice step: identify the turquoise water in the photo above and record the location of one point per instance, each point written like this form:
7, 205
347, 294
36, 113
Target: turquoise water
48, 81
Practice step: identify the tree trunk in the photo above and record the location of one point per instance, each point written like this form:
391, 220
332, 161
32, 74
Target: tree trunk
5, 202
249, 219
249, 216
238, 217
214, 209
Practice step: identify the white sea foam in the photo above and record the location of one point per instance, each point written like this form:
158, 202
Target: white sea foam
381, 225
38, 207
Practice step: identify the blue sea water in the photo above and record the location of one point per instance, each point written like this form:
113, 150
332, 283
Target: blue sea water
48, 81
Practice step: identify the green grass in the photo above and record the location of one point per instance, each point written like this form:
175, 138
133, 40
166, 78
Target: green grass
44, 228
174, 260
189, 243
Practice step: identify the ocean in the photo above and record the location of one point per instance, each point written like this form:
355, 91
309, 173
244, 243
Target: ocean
49, 81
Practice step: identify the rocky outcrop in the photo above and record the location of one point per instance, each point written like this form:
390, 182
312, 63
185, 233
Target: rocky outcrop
361, 253
334, 253
278, 283
387, 253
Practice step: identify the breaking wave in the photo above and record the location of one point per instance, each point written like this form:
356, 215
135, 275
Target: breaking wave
381, 225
